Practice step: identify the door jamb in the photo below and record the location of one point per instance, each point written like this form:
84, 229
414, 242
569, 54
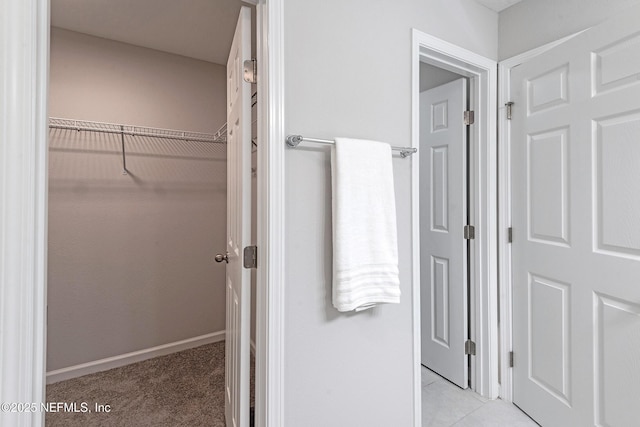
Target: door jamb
24, 47
24, 43
504, 210
483, 203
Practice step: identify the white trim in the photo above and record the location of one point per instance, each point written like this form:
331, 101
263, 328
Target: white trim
133, 357
24, 50
415, 228
271, 226
504, 210
483, 175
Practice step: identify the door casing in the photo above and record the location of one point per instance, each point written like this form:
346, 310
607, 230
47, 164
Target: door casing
482, 74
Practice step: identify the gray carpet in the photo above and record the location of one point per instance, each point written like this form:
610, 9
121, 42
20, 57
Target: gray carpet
180, 389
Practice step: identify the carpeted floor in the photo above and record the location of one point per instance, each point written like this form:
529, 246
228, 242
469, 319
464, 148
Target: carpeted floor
180, 389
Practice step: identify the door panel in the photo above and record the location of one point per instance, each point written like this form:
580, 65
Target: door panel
238, 279
443, 212
575, 143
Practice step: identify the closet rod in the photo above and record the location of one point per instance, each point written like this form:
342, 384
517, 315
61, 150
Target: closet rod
112, 128
294, 140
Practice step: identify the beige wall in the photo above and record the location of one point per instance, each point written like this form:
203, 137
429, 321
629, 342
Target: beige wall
130, 257
103, 80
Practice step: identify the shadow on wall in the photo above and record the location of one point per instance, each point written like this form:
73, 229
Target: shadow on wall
81, 161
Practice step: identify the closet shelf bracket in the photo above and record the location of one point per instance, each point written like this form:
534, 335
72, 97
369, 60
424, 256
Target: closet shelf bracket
124, 153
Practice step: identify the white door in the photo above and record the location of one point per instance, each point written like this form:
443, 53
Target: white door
238, 226
443, 215
575, 141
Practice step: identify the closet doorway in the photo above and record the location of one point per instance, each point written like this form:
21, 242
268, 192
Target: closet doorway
138, 188
455, 325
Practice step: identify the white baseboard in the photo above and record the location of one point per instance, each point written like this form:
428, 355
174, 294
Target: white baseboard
136, 356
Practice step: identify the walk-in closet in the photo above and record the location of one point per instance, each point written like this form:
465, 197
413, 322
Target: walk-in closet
137, 198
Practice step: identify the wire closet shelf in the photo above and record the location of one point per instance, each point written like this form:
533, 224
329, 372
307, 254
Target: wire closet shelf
220, 137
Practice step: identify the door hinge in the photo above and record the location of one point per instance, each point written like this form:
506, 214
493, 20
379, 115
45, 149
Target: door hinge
509, 106
470, 347
511, 359
469, 117
250, 71
250, 259
510, 235
469, 232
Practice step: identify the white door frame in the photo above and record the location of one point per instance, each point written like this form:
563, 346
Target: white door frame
24, 46
504, 211
270, 212
483, 207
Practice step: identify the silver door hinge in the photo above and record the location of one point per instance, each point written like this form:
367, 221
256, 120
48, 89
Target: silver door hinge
250, 259
250, 67
509, 106
470, 347
510, 235
511, 359
469, 232
469, 117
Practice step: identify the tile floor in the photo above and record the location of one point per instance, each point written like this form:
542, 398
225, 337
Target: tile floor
444, 404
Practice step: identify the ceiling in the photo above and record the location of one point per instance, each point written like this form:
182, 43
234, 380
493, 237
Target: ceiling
498, 5
201, 29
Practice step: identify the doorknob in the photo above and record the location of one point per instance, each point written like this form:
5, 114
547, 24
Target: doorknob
220, 258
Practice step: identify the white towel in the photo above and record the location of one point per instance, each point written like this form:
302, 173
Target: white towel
365, 248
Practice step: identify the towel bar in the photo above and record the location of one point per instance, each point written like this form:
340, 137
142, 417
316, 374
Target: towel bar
294, 140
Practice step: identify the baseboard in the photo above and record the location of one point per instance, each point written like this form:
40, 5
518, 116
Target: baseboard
128, 358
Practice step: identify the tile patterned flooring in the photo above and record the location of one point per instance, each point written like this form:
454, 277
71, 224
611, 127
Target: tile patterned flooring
444, 405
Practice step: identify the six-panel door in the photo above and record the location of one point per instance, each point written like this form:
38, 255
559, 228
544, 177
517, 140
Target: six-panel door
575, 138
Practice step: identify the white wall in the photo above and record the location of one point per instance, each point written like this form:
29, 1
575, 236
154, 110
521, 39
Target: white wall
348, 73
533, 23
432, 76
131, 257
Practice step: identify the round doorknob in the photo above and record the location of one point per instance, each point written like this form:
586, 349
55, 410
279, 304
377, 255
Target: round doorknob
220, 257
